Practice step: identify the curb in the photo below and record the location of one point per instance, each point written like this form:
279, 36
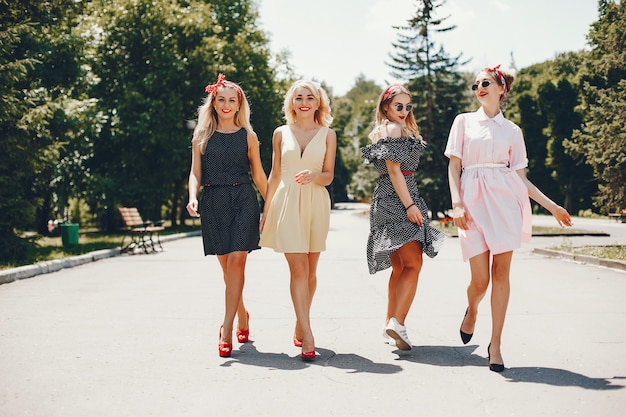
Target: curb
29, 271
608, 263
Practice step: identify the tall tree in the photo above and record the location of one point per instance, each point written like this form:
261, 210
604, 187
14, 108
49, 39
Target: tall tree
544, 102
438, 90
153, 60
42, 104
353, 116
602, 139
17, 161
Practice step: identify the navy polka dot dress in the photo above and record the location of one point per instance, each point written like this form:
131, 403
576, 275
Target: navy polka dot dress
390, 227
229, 208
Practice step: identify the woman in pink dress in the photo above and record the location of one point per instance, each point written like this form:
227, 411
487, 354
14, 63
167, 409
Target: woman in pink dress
490, 203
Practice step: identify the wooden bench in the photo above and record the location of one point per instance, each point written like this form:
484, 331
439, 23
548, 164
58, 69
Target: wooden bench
620, 215
141, 232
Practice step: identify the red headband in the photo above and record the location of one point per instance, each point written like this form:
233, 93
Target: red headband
212, 88
496, 71
390, 90
222, 82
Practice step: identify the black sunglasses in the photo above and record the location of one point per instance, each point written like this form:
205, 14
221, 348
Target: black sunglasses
483, 84
400, 107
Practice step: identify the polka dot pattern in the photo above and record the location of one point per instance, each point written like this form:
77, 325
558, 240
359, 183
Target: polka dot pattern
229, 208
390, 227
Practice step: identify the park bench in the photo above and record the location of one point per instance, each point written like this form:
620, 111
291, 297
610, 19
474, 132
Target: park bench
143, 235
619, 215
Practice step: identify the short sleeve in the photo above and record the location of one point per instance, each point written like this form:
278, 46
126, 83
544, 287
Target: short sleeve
456, 138
518, 156
391, 149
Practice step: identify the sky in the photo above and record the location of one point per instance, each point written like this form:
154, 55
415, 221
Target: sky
335, 41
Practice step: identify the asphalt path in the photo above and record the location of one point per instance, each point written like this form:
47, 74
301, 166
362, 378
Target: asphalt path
136, 335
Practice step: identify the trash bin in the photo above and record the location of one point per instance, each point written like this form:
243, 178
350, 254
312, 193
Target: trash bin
69, 234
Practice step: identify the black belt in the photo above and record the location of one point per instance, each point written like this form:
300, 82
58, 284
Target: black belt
225, 185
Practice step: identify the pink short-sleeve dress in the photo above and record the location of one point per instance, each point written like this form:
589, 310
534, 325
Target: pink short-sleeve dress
493, 194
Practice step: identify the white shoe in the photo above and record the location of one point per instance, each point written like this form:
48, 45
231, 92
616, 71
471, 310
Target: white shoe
398, 333
388, 339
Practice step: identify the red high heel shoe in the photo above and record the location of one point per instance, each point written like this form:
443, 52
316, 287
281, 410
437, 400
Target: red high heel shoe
224, 349
243, 335
297, 342
308, 356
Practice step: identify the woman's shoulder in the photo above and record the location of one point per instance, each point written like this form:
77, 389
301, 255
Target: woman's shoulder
386, 130
252, 136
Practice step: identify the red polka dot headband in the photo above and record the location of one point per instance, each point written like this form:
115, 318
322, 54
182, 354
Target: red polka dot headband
498, 74
222, 82
390, 90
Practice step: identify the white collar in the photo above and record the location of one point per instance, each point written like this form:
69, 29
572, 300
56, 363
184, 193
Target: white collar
482, 116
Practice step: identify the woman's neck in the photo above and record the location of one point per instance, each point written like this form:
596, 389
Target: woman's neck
306, 124
491, 111
226, 126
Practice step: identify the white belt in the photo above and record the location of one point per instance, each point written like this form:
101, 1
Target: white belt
486, 165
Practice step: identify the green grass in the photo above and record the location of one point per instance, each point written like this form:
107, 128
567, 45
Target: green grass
49, 248
451, 230
614, 252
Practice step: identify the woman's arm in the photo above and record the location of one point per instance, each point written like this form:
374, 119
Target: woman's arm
193, 184
254, 156
454, 181
275, 174
561, 215
399, 185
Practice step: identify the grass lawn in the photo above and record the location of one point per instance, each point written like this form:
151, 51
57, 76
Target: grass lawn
49, 248
613, 252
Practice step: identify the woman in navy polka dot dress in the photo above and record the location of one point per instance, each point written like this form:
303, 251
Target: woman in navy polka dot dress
225, 150
400, 230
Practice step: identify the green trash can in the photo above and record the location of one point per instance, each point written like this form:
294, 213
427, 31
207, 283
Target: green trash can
69, 234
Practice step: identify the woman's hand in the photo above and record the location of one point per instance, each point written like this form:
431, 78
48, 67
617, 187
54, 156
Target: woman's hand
562, 216
415, 215
460, 218
192, 208
305, 177
262, 223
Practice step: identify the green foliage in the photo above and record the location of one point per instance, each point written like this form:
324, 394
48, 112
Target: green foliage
602, 139
353, 120
439, 94
152, 61
544, 102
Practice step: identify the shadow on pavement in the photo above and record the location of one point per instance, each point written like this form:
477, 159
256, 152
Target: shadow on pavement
247, 354
559, 378
465, 356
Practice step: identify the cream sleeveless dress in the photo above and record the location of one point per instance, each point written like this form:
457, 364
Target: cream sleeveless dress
299, 215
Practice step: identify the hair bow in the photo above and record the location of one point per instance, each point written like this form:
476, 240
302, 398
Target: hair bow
212, 88
496, 71
389, 91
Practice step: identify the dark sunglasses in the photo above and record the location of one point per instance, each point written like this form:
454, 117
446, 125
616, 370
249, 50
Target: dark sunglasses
400, 107
484, 84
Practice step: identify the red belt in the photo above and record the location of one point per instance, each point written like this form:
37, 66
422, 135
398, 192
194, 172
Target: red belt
403, 172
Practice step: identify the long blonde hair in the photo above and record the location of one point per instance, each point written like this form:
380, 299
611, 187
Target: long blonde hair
207, 116
322, 114
381, 112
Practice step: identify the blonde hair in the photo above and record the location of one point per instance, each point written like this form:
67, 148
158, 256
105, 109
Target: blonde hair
384, 100
322, 114
207, 116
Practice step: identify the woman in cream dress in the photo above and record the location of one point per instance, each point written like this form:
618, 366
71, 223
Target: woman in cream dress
296, 216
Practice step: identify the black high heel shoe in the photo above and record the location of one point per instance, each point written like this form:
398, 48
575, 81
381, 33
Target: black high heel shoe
465, 337
495, 367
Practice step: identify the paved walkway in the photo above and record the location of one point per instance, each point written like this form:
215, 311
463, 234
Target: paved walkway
137, 336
